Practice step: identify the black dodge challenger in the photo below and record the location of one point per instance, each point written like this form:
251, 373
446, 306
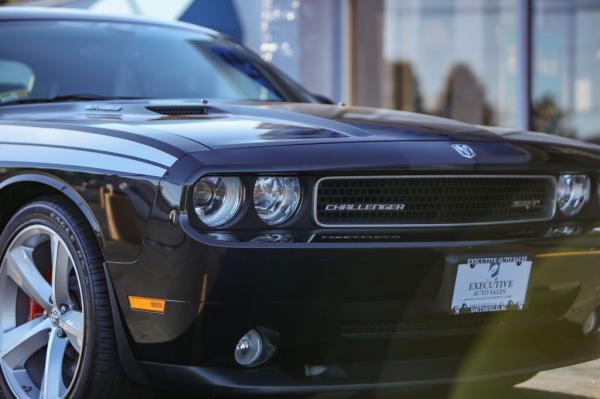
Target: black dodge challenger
174, 211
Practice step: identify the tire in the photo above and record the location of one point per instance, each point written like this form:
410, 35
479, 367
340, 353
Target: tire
81, 328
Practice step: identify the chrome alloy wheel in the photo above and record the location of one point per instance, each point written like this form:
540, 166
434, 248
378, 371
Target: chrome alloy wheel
41, 315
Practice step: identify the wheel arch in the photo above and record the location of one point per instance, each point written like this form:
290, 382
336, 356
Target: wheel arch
19, 189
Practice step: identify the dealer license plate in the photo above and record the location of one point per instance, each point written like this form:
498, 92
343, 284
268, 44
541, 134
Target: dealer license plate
491, 284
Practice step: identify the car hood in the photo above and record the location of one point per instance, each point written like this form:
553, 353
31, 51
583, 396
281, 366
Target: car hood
220, 125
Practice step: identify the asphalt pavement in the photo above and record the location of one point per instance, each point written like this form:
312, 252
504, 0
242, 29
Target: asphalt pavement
574, 382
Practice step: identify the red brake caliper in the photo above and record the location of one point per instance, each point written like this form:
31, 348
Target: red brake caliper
34, 309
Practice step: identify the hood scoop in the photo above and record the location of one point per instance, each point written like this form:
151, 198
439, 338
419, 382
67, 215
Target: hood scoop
182, 110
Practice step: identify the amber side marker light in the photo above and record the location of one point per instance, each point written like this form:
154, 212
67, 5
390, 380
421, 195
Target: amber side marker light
147, 304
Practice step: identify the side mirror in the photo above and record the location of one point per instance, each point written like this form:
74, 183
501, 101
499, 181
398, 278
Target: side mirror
322, 99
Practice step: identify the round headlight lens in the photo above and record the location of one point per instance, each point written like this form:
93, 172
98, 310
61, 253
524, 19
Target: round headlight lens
573, 192
217, 199
276, 198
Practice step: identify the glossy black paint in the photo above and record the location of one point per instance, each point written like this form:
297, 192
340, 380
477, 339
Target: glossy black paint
130, 170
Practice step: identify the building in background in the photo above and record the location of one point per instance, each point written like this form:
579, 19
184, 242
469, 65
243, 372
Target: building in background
531, 64
517, 63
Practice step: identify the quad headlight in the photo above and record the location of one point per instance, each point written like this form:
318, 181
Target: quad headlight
217, 199
573, 192
276, 198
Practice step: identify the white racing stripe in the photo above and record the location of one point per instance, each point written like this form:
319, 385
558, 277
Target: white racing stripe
85, 141
46, 155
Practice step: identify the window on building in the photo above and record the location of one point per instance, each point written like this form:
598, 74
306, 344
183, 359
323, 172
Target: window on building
566, 65
452, 58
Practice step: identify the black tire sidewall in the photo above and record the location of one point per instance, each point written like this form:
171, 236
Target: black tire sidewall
56, 217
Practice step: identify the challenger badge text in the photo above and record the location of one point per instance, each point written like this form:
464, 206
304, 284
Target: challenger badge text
365, 207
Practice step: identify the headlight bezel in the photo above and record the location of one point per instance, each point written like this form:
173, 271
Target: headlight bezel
232, 200
570, 203
246, 217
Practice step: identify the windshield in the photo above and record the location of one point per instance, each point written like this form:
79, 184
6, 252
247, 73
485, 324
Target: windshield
54, 59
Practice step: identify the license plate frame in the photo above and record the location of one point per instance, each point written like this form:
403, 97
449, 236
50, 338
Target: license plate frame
485, 284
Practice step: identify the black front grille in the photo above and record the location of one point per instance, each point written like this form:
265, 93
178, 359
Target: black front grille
433, 200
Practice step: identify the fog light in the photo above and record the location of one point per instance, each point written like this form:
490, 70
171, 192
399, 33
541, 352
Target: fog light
249, 349
590, 324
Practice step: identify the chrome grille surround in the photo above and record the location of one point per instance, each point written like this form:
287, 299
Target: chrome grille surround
548, 201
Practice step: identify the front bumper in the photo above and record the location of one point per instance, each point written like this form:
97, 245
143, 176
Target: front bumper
514, 361
355, 313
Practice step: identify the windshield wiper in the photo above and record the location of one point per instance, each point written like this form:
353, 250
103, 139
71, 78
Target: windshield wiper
69, 97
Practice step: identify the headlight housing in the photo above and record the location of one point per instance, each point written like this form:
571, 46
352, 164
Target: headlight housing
217, 199
573, 192
276, 198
